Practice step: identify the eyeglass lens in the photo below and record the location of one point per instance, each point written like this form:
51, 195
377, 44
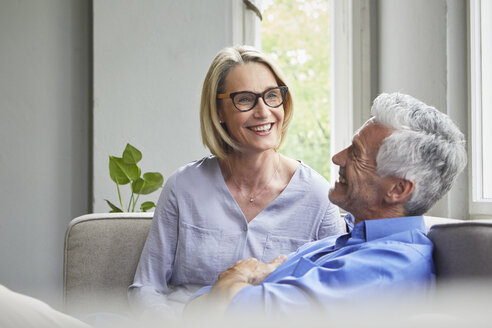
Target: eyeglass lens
247, 100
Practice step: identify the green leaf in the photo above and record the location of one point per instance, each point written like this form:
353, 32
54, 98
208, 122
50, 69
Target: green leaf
151, 182
137, 185
146, 206
131, 155
122, 173
114, 208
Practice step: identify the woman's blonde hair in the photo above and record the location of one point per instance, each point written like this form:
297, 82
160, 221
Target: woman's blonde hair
214, 135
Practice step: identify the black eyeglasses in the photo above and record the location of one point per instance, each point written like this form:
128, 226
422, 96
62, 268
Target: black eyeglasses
247, 100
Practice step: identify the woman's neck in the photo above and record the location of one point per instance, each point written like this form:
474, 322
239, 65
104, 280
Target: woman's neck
251, 171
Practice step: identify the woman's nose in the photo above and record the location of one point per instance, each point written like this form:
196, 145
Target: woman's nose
260, 109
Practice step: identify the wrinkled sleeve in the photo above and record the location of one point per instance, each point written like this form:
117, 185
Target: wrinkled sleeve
150, 285
342, 282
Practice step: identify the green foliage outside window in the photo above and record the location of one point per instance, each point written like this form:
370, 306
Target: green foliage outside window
296, 34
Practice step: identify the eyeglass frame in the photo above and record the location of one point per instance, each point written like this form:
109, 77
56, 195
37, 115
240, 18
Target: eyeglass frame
283, 91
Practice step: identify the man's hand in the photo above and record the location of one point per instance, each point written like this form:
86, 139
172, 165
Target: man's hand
250, 271
243, 273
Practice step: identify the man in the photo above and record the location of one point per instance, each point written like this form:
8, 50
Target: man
400, 162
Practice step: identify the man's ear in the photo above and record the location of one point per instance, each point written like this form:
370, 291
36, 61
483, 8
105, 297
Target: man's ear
400, 191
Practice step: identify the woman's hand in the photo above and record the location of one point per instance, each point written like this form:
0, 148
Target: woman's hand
241, 274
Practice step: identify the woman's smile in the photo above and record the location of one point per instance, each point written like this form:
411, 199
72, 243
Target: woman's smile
262, 129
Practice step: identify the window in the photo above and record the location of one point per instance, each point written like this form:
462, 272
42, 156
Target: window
342, 32
354, 69
481, 106
296, 33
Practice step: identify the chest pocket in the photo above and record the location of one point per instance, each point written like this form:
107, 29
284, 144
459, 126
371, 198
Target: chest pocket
276, 245
196, 255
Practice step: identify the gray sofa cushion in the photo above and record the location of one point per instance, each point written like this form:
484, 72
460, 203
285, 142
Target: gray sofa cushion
100, 258
462, 250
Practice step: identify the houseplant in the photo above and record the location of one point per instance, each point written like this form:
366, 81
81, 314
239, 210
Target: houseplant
125, 170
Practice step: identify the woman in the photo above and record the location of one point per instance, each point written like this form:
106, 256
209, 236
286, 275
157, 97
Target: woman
245, 200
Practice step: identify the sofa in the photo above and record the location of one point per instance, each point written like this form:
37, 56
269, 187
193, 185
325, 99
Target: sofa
101, 254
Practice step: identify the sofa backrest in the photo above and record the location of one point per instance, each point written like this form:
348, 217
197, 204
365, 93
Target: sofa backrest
462, 250
101, 254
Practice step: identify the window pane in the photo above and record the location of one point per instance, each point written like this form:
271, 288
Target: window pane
486, 34
296, 33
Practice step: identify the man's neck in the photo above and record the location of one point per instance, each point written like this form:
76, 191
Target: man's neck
387, 213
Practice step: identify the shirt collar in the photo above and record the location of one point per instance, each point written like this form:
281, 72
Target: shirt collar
378, 228
349, 221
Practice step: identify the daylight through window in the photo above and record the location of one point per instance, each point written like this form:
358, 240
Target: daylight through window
296, 33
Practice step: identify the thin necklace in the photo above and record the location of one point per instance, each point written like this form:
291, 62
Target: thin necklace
253, 196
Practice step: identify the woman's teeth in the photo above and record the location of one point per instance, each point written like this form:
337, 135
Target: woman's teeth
262, 128
342, 180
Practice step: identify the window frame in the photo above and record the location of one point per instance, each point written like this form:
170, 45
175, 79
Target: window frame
479, 204
354, 70
246, 25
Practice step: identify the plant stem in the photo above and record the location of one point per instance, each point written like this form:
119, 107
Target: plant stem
130, 203
135, 203
119, 195
138, 195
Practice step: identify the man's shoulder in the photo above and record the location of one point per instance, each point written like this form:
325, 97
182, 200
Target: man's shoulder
405, 247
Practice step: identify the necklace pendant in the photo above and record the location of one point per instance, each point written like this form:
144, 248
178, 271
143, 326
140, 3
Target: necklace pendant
251, 199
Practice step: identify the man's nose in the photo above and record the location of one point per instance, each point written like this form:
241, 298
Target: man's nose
340, 157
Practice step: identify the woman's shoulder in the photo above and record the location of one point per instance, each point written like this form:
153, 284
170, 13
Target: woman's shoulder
200, 166
201, 171
306, 180
311, 177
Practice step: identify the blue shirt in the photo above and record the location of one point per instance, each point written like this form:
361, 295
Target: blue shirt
387, 257
199, 230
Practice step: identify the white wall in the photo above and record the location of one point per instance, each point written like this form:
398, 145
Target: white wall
150, 59
44, 138
422, 52
412, 49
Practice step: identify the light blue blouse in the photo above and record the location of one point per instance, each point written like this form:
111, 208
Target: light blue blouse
198, 231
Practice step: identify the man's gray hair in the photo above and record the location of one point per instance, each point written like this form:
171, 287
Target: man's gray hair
425, 146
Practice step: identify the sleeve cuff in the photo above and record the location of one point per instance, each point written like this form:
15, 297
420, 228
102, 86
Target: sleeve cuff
200, 292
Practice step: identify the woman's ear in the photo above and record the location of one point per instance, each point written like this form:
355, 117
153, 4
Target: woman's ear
220, 114
399, 191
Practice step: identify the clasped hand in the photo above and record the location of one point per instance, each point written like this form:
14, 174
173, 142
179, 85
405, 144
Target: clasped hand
250, 271
242, 274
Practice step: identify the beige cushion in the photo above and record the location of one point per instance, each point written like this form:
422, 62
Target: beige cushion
434, 220
100, 258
